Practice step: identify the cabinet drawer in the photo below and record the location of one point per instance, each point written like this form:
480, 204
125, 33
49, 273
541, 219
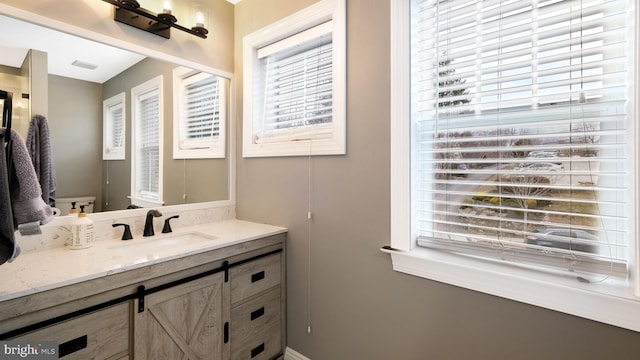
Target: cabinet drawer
253, 277
249, 319
264, 345
103, 334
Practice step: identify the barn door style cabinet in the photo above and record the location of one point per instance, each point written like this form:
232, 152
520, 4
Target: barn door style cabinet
181, 322
227, 303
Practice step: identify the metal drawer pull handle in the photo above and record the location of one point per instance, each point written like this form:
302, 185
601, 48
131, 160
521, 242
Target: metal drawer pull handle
256, 314
257, 276
257, 350
72, 346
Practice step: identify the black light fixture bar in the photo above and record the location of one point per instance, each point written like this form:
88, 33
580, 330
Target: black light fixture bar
130, 13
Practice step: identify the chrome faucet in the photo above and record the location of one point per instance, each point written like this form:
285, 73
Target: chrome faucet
148, 224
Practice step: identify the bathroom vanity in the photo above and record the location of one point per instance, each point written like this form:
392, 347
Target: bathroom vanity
210, 291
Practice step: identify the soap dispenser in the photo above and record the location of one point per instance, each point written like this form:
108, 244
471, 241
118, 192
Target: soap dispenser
73, 209
81, 231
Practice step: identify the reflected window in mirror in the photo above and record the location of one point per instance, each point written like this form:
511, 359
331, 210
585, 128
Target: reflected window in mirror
114, 124
199, 105
146, 164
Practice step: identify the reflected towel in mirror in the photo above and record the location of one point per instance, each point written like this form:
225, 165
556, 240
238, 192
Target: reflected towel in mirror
24, 188
39, 147
8, 247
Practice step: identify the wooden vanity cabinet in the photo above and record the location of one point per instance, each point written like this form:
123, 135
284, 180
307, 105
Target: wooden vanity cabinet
228, 303
233, 314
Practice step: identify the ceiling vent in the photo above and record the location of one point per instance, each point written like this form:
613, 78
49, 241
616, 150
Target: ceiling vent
84, 65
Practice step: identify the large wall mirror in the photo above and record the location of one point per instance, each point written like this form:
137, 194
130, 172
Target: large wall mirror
78, 76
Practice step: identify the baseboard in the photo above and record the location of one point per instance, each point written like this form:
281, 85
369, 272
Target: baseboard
291, 354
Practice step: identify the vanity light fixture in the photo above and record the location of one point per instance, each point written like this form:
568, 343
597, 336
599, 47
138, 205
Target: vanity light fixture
129, 12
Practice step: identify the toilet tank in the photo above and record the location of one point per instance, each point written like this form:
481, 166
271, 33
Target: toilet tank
64, 204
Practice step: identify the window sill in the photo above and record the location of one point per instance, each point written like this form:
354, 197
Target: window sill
618, 306
294, 148
203, 152
144, 202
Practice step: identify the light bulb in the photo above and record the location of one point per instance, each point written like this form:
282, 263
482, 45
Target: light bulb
199, 19
166, 9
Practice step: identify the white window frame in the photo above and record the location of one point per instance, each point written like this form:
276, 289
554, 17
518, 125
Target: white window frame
619, 306
146, 199
108, 128
211, 148
316, 14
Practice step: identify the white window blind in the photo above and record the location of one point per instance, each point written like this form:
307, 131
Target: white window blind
117, 117
147, 158
200, 114
522, 131
148, 146
298, 91
114, 128
202, 108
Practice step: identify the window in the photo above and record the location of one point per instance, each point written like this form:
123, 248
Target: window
294, 83
513, 158
146, 162
113, 122
199, 114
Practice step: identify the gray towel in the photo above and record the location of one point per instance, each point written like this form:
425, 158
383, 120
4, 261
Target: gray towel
39, 146
26, 199
9, 249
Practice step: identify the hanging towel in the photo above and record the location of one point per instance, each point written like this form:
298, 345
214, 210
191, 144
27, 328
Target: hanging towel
24, 188
39, 146
9, 249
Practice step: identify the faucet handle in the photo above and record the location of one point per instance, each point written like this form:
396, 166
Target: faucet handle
167, 226
127, 231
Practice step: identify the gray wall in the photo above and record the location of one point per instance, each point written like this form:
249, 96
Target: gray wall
359, 307
75, 124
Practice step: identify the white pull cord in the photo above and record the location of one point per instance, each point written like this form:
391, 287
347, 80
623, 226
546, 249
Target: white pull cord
309, 218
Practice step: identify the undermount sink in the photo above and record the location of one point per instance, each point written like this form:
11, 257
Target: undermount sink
162, 242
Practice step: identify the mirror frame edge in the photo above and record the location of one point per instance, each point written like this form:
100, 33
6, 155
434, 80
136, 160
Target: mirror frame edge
104, 39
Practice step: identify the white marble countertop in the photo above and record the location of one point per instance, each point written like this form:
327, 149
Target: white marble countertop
37, 271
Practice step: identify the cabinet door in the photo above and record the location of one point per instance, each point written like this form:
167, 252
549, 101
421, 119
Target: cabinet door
181, 322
